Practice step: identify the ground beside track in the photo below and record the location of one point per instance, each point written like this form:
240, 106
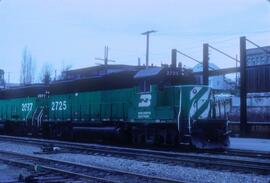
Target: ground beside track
176, 172
10, 173
250, 144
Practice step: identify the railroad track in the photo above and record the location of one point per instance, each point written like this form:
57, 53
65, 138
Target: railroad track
44, 177
79, 171
247, 153
38, 173
261, 166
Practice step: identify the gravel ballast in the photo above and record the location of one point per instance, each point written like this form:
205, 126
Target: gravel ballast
10, 173
188, 174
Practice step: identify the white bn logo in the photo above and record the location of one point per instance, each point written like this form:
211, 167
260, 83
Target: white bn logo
145, 100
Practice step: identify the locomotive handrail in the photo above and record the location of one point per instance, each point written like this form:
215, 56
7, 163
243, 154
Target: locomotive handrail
39, 117
179, 113
27, 115
33, 116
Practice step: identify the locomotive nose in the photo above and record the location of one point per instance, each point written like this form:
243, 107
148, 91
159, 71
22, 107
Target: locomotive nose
210, 134
195, 123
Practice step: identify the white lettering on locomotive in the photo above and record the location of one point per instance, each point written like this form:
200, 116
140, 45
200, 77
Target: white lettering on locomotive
145, 100
59, 105
27, 107
144, 114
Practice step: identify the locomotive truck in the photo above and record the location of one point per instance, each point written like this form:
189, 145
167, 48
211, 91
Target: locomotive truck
154, 105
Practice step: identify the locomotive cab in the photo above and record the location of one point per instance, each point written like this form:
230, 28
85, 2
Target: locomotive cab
167, 103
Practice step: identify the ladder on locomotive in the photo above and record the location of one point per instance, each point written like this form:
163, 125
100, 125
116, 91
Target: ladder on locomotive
35, 122
37, 117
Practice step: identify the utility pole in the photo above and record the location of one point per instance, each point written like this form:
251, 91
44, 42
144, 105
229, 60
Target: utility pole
106, 50
236, 74
139, 61
205, 63
147, 45
8, 77
106, 56
243, 87
174, 58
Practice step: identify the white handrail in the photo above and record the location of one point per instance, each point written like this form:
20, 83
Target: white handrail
33, 117
180, 109
39, 118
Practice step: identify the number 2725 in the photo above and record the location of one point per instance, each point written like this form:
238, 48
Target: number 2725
59, 105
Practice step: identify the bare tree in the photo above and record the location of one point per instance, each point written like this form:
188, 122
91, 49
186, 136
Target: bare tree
46, 73
27, 68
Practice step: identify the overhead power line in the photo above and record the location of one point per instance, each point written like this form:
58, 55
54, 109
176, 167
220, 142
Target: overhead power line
200, 62
265, 50
229, 56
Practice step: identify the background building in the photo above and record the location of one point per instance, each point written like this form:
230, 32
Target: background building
258, 69
217, 82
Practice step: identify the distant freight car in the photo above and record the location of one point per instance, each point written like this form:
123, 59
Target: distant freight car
154, 105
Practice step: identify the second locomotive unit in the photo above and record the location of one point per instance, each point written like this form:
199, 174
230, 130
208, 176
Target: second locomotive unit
160, 105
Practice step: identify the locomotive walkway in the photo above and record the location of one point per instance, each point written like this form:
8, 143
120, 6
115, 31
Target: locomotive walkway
232, 160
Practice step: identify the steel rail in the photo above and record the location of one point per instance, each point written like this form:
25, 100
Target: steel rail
89, 172
49, 172
204, 160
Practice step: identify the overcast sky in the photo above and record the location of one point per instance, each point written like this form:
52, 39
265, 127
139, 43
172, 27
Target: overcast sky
74, 32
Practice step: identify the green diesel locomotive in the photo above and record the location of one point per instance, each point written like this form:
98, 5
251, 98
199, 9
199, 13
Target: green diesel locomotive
154, 105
